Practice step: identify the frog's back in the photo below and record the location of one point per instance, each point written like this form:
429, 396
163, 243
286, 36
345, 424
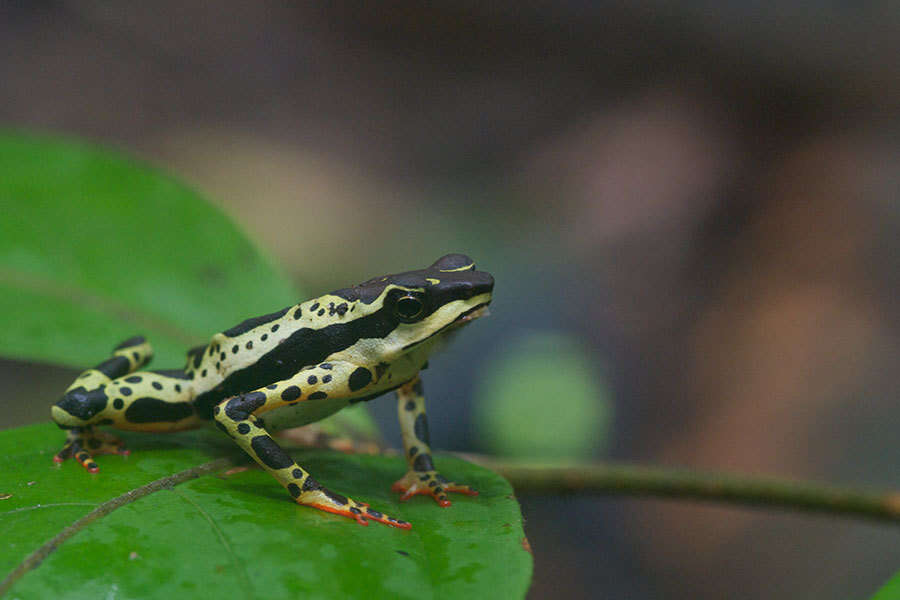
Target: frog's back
272, 348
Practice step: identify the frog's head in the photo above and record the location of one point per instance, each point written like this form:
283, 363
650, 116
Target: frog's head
417, 306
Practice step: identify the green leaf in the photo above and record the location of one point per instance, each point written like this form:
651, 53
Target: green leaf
240, 536
890, 591
95, 248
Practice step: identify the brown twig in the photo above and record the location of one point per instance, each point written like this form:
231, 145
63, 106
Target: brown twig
610, 478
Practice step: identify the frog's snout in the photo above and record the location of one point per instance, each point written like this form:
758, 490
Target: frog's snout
481, 283
486, 284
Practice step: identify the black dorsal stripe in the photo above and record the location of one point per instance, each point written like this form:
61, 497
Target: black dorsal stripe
173, 373
302, 348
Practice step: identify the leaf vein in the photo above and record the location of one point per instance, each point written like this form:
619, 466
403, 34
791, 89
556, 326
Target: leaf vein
222, 539
38, 556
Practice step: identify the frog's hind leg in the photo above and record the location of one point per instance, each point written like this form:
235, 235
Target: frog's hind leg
127, 357
238, 417
86, 398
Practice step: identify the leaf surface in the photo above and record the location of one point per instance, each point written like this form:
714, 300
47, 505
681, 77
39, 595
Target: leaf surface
240, 535
95, 248
890, 590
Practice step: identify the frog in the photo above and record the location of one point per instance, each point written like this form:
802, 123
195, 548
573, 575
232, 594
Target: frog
291, 368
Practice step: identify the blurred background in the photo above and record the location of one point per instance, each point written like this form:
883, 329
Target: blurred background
691, 211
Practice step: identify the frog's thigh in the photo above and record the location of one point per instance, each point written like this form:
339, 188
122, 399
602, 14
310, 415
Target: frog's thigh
147, 401
127, 357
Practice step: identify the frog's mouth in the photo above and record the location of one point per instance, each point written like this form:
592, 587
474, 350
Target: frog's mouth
470, 315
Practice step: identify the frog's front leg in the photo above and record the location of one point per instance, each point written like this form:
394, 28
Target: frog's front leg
422, 478
239, 418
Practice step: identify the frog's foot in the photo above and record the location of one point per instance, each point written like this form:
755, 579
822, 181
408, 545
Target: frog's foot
431, 483
341, 505
83, 445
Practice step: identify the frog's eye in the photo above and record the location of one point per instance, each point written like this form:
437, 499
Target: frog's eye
409, 307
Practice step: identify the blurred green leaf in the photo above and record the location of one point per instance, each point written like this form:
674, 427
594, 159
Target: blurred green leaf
890, 591
240, 536
95, 248
542, 398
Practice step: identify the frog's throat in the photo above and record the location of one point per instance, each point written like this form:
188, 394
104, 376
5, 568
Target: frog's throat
470, 315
